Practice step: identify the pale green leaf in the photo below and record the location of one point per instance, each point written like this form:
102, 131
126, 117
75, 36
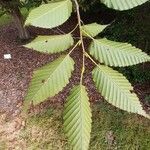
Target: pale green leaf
123, 4
50, 15
50, 79
77, 118
51, 44
116, 53
117, 90
92, 29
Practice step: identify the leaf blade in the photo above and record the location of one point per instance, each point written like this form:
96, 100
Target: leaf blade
77, 118
117, 90
50, 79
92, 29
50, 15
116, 53
51, 44
123, 4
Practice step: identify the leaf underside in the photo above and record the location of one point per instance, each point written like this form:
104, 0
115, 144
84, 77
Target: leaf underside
117, 54
117, 90
77, 118
50, 15
50, 79
92, 29
51, 44
122, 4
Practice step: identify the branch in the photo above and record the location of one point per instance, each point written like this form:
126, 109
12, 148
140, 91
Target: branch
81, 39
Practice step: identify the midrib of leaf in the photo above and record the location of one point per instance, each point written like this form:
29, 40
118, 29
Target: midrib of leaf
51, 73
138, 106
51, 38
121, 50
81, 114
63, 2
125, 93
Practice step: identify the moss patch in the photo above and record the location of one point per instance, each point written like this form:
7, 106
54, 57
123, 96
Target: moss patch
44, 131
5, 19
112, 129
116, 129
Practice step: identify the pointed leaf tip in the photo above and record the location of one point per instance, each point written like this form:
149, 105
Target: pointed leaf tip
77, 118
116, 89
117, 54
50, 79
92, 29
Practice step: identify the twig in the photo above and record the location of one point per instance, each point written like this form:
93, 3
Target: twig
88, 35
74, 29
78, 43
87, 55
81, 38
60, 31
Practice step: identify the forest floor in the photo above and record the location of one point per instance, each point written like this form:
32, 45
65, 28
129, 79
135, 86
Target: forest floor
112, 128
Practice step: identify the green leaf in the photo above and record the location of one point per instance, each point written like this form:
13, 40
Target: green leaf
123, 4
77, 118
117, 90
50, 15
92, 29
116, 53
50, 79
51, 44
